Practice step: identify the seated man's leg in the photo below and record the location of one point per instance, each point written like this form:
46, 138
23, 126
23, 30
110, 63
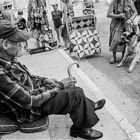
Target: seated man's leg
80, 108
74, 102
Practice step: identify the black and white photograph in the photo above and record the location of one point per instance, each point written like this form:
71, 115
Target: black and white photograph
69, 69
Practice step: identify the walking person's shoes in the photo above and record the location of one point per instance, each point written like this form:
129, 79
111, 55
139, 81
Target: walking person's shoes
86, 133
99, 104
113, 61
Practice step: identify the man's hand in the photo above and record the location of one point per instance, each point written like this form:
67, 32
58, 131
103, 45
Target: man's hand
52, 92
69, 82
39, 99
53, 82
121, 15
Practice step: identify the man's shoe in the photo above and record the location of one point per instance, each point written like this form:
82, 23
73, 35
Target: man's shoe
112, 61
86, 133
99, 104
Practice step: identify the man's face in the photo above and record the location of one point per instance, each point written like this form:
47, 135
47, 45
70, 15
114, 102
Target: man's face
55, 7
13, 49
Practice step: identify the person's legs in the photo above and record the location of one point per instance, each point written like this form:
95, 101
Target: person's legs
74, 102
58, 35
113, 60
26, 45
64, 35
81, 110
65, 42
123, 54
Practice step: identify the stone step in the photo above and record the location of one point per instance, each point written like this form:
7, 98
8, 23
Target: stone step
59, 128
44, 135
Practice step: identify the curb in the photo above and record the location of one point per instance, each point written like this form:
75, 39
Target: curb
121, 120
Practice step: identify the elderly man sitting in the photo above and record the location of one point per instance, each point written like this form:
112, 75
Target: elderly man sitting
26, 98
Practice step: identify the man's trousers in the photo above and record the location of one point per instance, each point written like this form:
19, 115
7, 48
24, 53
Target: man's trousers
74, 102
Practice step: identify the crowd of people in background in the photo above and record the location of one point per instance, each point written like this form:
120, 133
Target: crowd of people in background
121, 12
124, 14
59, 19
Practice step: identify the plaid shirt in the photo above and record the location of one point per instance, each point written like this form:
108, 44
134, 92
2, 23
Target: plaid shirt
17, 87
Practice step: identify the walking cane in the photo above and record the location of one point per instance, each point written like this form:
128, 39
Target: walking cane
70, 67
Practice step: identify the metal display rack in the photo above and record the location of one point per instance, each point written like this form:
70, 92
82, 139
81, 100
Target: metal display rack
39, 25
81, 27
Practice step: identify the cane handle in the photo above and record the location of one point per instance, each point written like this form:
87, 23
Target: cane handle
70, 66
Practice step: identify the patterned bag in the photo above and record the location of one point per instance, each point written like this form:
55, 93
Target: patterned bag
85, 42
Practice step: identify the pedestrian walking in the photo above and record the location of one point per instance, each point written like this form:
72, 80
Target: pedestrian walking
57, 20
122, 12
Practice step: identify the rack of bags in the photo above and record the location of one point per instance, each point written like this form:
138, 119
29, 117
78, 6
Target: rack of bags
81, 27
39, 26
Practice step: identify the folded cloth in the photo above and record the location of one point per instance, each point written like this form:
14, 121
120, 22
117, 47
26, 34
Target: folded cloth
7, 125
37, 126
